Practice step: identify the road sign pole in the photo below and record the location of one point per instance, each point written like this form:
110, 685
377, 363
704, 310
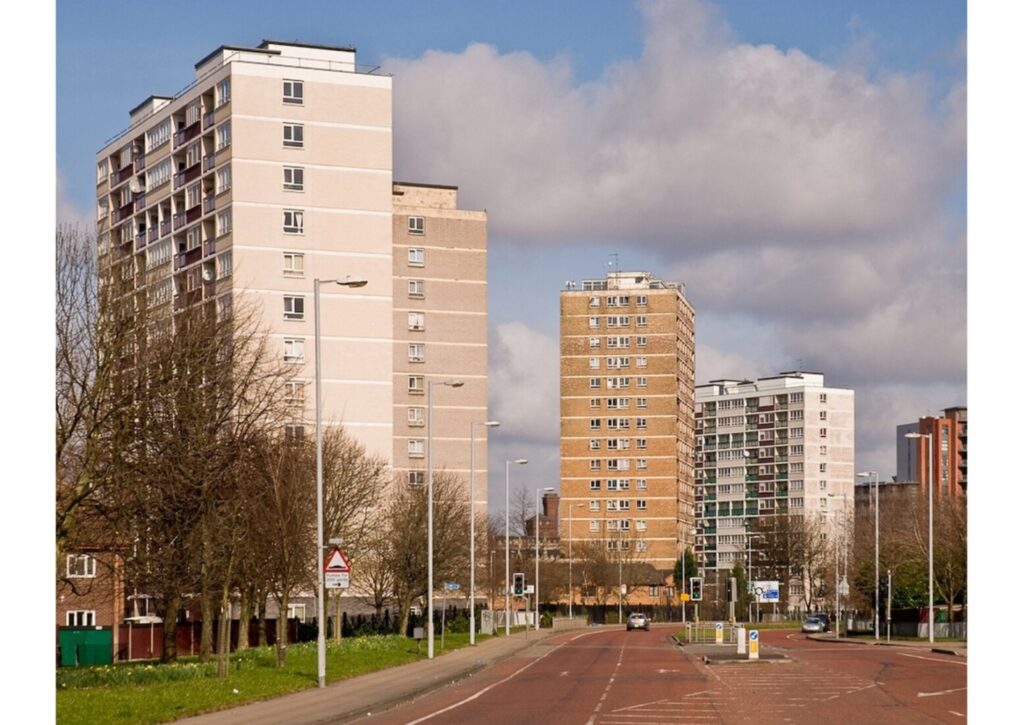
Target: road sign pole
754, 645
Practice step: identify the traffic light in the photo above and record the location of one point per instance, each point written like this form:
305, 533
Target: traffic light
518, 584
696, 585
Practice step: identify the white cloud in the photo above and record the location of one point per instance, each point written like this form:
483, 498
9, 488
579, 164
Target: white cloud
524, 392
68, 213
701, 143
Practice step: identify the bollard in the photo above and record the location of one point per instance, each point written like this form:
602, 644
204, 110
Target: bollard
754, 644
741, 640
719, 632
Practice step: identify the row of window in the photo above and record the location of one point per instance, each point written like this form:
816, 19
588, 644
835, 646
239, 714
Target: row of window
618, 423
619, 464
620, 383
618, 444
614, 321
618, 484
619, 341
618, 363
618, 301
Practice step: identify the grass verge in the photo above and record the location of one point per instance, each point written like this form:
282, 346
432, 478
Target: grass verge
136, 693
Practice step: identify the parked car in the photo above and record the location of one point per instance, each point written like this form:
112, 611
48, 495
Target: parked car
638, 620
815, 623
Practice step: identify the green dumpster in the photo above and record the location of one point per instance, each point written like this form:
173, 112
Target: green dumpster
86, 646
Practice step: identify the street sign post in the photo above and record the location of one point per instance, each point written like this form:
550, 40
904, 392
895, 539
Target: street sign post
754, 644
337, 570
719, 633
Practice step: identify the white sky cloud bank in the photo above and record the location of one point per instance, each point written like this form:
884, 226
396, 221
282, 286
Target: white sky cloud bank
702, 143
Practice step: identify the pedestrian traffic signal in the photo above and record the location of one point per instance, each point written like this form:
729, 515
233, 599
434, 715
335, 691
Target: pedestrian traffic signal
696, 585
518, 584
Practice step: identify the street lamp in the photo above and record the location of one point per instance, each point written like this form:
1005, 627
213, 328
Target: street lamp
572, 592
832, 495
508, 587
321, 646
472, 530
868, 474
931, 560
430, 513
536, 559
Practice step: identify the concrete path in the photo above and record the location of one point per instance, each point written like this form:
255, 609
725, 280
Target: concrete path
356, 697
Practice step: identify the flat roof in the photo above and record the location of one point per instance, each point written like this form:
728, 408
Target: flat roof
151, 98
297, 44
234, 47
424, 186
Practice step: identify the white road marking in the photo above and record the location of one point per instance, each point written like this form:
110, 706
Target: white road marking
474, 696
608, 687
946, 661
958, 714
940, 692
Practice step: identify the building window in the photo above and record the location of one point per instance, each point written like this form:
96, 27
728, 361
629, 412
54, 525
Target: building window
294, 433
822, 467
224, 265
416, 225
641, 300
417, 352
595, 363
297, 611
595, 464
417, 478
641, 320
223, 179
595, 505
293, 264
223, 135
595, 484
822, 415
416, 288
595, 342
641, 362
641, 402
641, 423
293, 137
417, 257
294, 392
641, 341
595, 301
595, 525
641, 525
417, 321
159, 135
823, 432
294, 307
823, 398
293, 221
641, 443
796, 432
415, 385
641, 381
595, 424
595, 321
641, 504
823, 450
292, 92
641, 484
641, 464
223, 223
595, 402
595, 444
416, 448
595, 383
417, 417
294, 350
822, 485
81, 565
223, 92
293, 178
81, 618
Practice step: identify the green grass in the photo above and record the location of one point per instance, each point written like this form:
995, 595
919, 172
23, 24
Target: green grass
152, 693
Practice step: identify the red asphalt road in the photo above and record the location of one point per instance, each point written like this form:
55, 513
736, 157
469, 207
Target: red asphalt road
603, 677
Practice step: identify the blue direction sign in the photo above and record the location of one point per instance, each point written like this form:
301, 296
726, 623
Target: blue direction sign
451, 586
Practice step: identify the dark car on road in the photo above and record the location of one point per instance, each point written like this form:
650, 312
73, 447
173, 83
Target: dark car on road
638, 620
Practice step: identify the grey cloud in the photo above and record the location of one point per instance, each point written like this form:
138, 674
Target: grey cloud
524, 393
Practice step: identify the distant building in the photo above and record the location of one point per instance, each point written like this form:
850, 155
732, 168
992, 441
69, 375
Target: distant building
548, 516
627, 376
949, 452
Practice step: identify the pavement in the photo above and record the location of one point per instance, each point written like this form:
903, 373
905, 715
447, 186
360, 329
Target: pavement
356, 697
958, 649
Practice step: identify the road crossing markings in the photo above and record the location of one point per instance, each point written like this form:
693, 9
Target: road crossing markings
608, 687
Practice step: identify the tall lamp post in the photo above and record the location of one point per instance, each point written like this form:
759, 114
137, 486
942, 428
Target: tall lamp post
472, 529
321, 646
508, 576
430, 513
931, 559
572, 592
868, 474
536, 559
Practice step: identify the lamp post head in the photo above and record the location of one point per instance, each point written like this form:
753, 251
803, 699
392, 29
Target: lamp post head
350, 281
917, 435
865, 474
548, 489
454, 383
492, 424
519, 461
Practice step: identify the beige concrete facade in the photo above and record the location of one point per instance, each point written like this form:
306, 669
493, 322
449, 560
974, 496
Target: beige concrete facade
280, 173
440, 333
627, 415
774, 446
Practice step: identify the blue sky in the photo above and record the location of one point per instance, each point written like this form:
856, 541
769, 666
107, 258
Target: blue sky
800, 166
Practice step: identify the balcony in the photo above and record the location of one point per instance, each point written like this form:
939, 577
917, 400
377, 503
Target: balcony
209, 204
165, 228
190, 174
186, 134
207, 120
209, 289
152, 235
140, 241
140, 163
187, 299
208, 163
121, 175
179, 220
193, 214
140, 202
184, 259
124, 212
209, 247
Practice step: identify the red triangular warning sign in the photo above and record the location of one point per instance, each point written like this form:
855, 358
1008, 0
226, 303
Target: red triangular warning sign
337, 562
